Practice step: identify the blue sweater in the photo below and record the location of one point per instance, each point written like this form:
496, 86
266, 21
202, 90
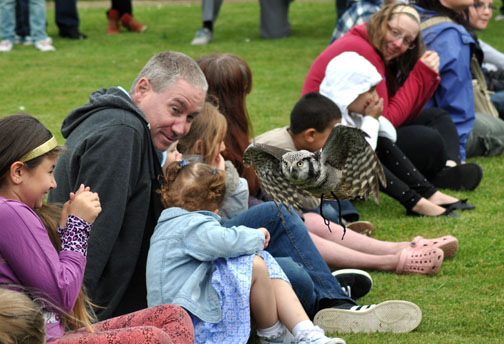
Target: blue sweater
455, 92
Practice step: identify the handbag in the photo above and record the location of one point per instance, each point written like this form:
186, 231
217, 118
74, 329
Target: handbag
482, 101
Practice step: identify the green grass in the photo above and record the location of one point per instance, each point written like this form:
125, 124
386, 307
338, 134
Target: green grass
463, 303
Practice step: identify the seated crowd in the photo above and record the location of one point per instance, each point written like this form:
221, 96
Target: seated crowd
156, 231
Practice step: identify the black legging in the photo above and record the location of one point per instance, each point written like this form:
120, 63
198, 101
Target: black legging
122, 6
405, 183
429, 141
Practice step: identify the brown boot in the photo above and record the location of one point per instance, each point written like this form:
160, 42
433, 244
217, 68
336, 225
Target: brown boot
131, 24
113, 22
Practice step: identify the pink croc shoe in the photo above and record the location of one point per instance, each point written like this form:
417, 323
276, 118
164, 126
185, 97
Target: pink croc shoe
448, 243
425, 261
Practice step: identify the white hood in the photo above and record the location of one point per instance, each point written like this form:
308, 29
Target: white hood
347, 76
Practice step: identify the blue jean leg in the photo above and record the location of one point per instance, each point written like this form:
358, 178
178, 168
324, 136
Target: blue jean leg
331, 211
37, 10
290, 238
8, 19
301, 283
498, 100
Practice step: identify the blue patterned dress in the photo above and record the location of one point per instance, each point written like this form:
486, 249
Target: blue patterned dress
232, 279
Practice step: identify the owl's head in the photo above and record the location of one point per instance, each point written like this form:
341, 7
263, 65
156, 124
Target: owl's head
300, 167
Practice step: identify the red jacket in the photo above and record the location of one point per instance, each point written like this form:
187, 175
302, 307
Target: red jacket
408, 101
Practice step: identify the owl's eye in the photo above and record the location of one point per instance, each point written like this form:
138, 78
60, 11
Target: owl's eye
285, 163
300, 164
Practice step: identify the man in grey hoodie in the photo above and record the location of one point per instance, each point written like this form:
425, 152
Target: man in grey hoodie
112, 145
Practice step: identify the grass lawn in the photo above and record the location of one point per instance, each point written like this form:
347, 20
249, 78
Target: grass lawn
463, 303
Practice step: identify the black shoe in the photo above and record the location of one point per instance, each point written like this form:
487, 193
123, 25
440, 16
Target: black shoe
72, 33
355, 283
459, 205
449, 212
461, 177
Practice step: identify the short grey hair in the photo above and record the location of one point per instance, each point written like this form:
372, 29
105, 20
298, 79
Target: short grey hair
166, 68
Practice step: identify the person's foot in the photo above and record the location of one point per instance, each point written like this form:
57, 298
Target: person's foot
71, 33
132, 24
44, 45
355, 283
461, 177
361, 227
203, 36
317, 336
113, 22
5, 46
390, 316
424, 207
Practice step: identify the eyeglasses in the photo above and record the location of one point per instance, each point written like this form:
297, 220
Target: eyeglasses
398, 35
481, 6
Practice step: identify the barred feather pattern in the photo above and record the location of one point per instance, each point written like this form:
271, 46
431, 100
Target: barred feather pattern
349, 168
274, 183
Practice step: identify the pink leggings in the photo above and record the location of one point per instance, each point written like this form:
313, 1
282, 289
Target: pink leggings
162, 324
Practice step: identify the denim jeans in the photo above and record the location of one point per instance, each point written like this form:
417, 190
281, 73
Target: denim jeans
290, 238
37, 13
331, 211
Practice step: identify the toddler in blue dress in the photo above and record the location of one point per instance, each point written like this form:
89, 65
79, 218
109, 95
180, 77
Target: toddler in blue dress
220, 275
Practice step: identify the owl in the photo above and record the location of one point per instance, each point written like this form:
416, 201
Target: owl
346, 167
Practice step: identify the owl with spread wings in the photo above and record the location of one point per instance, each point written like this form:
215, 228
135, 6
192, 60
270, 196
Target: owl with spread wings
346, 167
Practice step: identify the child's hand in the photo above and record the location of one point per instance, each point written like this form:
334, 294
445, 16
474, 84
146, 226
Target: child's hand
219, 163
84, 204
266, 236
374, 108
66, 207
431, 60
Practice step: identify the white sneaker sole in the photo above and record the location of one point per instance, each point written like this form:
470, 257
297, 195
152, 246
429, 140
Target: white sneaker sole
390, 316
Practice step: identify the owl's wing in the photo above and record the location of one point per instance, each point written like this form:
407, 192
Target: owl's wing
347, 150
266, 160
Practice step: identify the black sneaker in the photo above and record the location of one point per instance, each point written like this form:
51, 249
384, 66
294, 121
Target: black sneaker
71, 32
355, 283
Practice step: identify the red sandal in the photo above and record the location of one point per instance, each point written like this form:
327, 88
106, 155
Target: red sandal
448, 243
425, 261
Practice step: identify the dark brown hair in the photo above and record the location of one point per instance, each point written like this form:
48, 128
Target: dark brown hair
399, 68
195, 186
229, 82
21, 133
436, 6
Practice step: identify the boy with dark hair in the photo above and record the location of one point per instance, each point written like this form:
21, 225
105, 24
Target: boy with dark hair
311, 122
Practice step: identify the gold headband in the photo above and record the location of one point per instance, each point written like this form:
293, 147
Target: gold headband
40, 150
409, 10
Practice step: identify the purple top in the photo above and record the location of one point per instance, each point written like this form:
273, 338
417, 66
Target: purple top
28, 259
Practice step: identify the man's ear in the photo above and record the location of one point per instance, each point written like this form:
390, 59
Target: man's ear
142, 89
309, 135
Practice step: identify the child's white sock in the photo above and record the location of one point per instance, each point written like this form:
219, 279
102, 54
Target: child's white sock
273, 332
302, 327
